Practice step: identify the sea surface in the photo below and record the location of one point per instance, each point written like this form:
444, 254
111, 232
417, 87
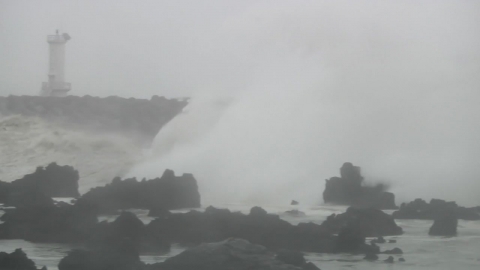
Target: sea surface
421, 251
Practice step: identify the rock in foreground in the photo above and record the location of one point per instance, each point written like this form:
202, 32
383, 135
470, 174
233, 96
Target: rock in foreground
230, 254
49, 223
445, 225
51, 181
371, 222
168, 192
258, 227
16, 260
349, 189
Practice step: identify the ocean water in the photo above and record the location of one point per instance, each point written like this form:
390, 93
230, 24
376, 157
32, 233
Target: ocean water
28, 142
421, 251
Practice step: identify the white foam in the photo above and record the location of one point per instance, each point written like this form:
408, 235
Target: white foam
28, 142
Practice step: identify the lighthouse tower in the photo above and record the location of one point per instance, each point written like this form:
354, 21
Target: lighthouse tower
56, 85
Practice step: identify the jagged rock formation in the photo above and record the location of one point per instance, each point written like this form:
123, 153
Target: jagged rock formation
445, 224
51, 181
127, 227
349, 189
17, 260
258, 227
230, 254
371, 222
122, 256
42, 221
137, 119
168, 192
420, 209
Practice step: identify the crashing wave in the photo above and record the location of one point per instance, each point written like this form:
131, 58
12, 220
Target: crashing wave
28, 142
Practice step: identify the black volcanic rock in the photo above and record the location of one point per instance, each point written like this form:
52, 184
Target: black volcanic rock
61, 223
349, 189
137, 119
16, 260
121, 256
445, 224
420, 209
51, 181
258, 227
127, 227
393, 251
371, 222
168, 192
228, 254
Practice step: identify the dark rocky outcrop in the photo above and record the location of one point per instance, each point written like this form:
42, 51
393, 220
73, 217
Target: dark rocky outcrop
158, 212
371, 222
137, 119
350, 189
127, 227
61, 223
371, 257
390, 259
445, 224
121, 256
17, 260
379, 240
420, 209
232, 254
258, 227
51, 181
393, 251
295, 213
168, 192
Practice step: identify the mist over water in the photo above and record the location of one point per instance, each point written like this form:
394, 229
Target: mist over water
293, 91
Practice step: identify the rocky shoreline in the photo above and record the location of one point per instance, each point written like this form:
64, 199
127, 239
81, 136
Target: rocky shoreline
257, 239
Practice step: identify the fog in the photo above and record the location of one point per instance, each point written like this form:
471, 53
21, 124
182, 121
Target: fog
283, 92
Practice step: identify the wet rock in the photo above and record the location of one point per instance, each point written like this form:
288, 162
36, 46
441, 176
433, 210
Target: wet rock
445, 224
393, 251
389, 259
159, 212
294, 202
295, 213
52, 181
228, 254
43, 184
378, 240
351, 239
371, 222
392, 241
401, 259
28, 199
258, 227
257, 212
349, 189
371, 257
291, 257
122, 256
420, 209
49, 223
16, 260
168, 192
127, 227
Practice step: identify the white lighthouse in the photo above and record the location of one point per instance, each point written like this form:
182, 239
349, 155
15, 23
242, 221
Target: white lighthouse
56, 85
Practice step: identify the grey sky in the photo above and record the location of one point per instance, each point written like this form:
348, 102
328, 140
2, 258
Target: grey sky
392, 86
